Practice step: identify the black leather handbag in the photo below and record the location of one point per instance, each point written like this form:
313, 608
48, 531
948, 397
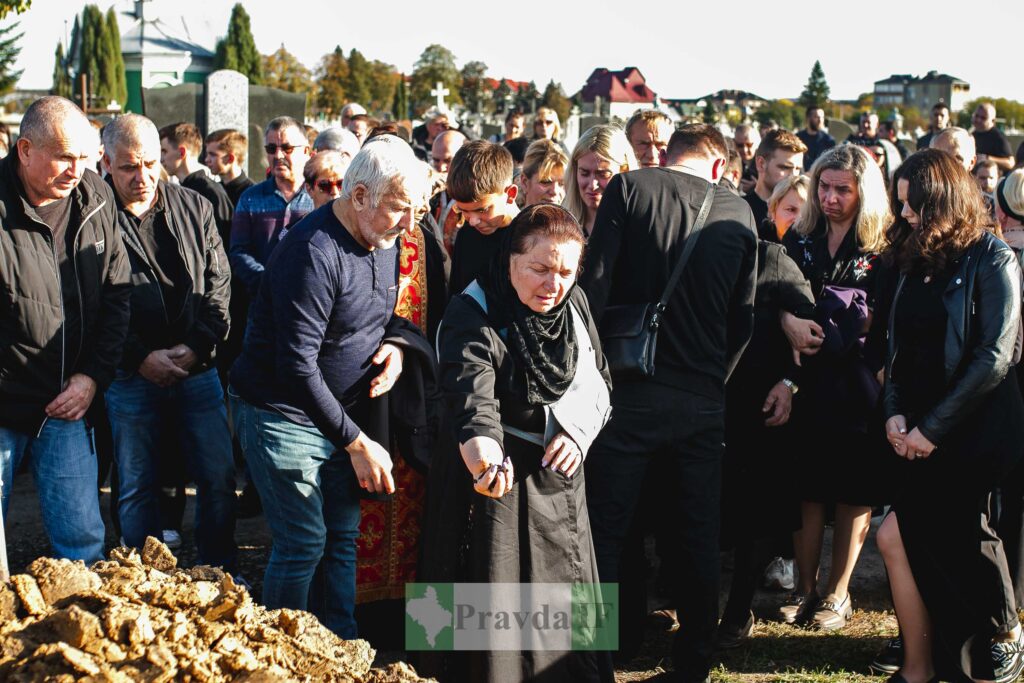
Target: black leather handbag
629, 333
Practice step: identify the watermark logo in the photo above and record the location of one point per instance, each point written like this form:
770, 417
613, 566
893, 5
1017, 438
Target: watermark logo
511, 616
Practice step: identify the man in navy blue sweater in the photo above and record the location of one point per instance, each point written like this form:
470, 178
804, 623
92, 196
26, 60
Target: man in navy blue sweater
313, 357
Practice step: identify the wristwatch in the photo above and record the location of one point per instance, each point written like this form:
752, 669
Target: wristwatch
791, 385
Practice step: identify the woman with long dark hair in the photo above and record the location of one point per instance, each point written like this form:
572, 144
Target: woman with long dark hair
955, 414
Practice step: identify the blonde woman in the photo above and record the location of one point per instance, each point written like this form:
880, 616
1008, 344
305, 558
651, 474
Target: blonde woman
543, 175
787, 200
601, 153
836, 242
546, 125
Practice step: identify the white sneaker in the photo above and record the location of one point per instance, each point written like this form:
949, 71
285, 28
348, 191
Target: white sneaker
172, 539
778, 575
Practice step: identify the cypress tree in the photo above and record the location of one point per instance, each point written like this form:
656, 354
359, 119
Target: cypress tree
61, 79
238, 50
91, 37
816, 91
119, 86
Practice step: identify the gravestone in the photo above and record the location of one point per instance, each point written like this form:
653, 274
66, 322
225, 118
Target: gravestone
266, 104
226, 100
227, 104
185, 102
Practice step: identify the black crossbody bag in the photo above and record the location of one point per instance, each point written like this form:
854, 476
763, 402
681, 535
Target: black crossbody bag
629, 333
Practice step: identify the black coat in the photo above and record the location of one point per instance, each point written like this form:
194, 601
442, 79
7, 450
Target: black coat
641, 226
204, 320
983, 334
32, 346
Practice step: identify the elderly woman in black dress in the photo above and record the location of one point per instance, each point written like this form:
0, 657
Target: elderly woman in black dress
954, 413
836, 242
526, 390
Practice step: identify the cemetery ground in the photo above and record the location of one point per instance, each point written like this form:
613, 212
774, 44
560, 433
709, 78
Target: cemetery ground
775, 653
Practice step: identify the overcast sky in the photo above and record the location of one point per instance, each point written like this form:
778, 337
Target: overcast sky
685, 48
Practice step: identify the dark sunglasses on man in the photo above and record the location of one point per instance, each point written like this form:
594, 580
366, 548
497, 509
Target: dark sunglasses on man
271, 149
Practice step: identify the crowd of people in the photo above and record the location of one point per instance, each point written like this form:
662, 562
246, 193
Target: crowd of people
432, 358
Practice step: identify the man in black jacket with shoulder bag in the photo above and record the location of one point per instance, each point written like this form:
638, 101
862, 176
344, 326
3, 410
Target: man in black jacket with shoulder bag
179, 313
672, 410
64, 297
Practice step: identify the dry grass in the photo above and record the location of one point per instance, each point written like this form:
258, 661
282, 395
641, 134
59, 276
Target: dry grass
778, 653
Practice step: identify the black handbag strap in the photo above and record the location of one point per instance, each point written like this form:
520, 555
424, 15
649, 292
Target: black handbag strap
691, 242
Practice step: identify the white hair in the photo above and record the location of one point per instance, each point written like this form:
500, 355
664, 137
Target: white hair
338, 140
353, 109
386, 164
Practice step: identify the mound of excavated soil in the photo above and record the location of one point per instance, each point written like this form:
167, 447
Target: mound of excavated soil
133, 618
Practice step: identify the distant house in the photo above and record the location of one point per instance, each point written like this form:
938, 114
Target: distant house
904, 90
617, 93
160, 48
739, 102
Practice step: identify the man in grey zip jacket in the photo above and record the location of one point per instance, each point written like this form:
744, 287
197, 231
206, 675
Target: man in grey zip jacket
64, 314
179, 313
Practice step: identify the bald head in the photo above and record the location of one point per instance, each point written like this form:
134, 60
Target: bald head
984, 117
958, 142
444, 148
57, 145
51, 117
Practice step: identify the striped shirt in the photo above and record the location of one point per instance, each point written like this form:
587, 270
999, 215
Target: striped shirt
261, 219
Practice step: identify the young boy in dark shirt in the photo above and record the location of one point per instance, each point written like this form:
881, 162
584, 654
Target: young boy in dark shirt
480, 183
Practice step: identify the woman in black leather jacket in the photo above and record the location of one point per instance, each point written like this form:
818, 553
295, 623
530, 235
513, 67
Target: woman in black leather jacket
955, 414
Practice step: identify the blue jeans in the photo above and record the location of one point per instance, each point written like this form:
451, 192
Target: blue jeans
138, 412
309, 498
63, 463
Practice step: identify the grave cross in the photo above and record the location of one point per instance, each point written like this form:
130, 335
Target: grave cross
440, 92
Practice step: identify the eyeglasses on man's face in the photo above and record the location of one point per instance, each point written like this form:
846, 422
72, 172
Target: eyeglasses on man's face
271, 149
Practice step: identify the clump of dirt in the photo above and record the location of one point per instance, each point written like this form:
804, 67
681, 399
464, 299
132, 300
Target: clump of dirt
141, 618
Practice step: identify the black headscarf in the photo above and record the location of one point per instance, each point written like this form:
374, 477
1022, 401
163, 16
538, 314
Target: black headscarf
542, 344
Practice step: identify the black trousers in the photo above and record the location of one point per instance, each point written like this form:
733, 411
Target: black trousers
683, 432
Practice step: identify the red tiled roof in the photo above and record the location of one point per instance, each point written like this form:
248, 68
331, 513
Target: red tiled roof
515, 85
627, 85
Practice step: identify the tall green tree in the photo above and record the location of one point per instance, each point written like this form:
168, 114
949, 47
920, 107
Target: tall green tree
283, 70
119, 84
400, 107
238, 50
109, 86
383, 81
528, 97
61, 79
330, 78
816, 91
90, 48
9, 51
474, 89
435, 65
555, 99
357, 84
